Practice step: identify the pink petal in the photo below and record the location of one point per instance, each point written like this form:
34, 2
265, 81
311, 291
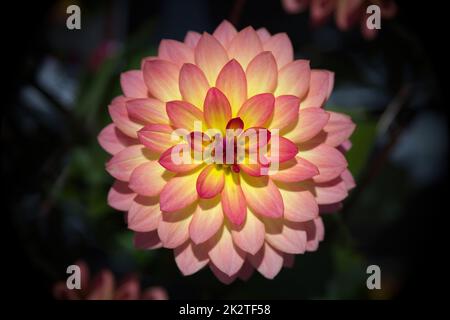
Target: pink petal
295, 6
285, 112
310, 122
113, 140
210, 182
225, 32
329, 192
285, 151
156, 137
245, 46
246, 271
207, 219
289, 260
102, 286
233, 200
128, 290
122, 164
281, 47
210, 56
144, 214
149, 179
262, 74
120, 197
263, 34
263, 196
285, 236
119, 114
147, 110
267, 261
249, 236
190, 258
173, 228
224, 254
161, 78
319, 88
295, 170
348, 179
315, 233
233, 83
299, 203
167, 159
338, 129
224, 278
183, 115
192, 38
155, 293
133, 85
293, 79
176, 52
193, 85
330, 162
179, 192
257, 110
217, 109
147, 240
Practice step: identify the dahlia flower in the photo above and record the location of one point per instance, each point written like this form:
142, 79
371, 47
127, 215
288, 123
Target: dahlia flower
347, 12
237, 215
103, 287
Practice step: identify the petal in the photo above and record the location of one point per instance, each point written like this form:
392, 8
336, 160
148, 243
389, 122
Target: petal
190, 258
338, 129
348, 179
161, 78
315, 233
173, 159
329, 192
281, 48
210, 56
319, 88
217, 109
224, 254
262, 74
184, 115
246, 271
119, 114
330, 162
299, 203
257, 110
285, 112
120, 197
267, 261
179, 192
232, 82
122, 164
285, 236
144, 214
155, 293
113, 140
192, 38
156, 137
128, 290
295, 170
210, 181
224, 278
293, 79
225, 32
176, 52
233, 200
149, 178
245, 46
147, 240
133, 85
262, 195
249, 236
207, 219
285, 150
173, 228
310, 122
147, 110
193, 85
263, 34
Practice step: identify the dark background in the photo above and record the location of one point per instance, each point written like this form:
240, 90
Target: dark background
59, 83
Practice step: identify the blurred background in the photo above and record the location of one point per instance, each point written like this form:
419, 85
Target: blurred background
53, 168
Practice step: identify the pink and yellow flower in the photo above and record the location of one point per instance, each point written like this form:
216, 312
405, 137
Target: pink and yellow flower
348, 13
230, 217
103, 287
